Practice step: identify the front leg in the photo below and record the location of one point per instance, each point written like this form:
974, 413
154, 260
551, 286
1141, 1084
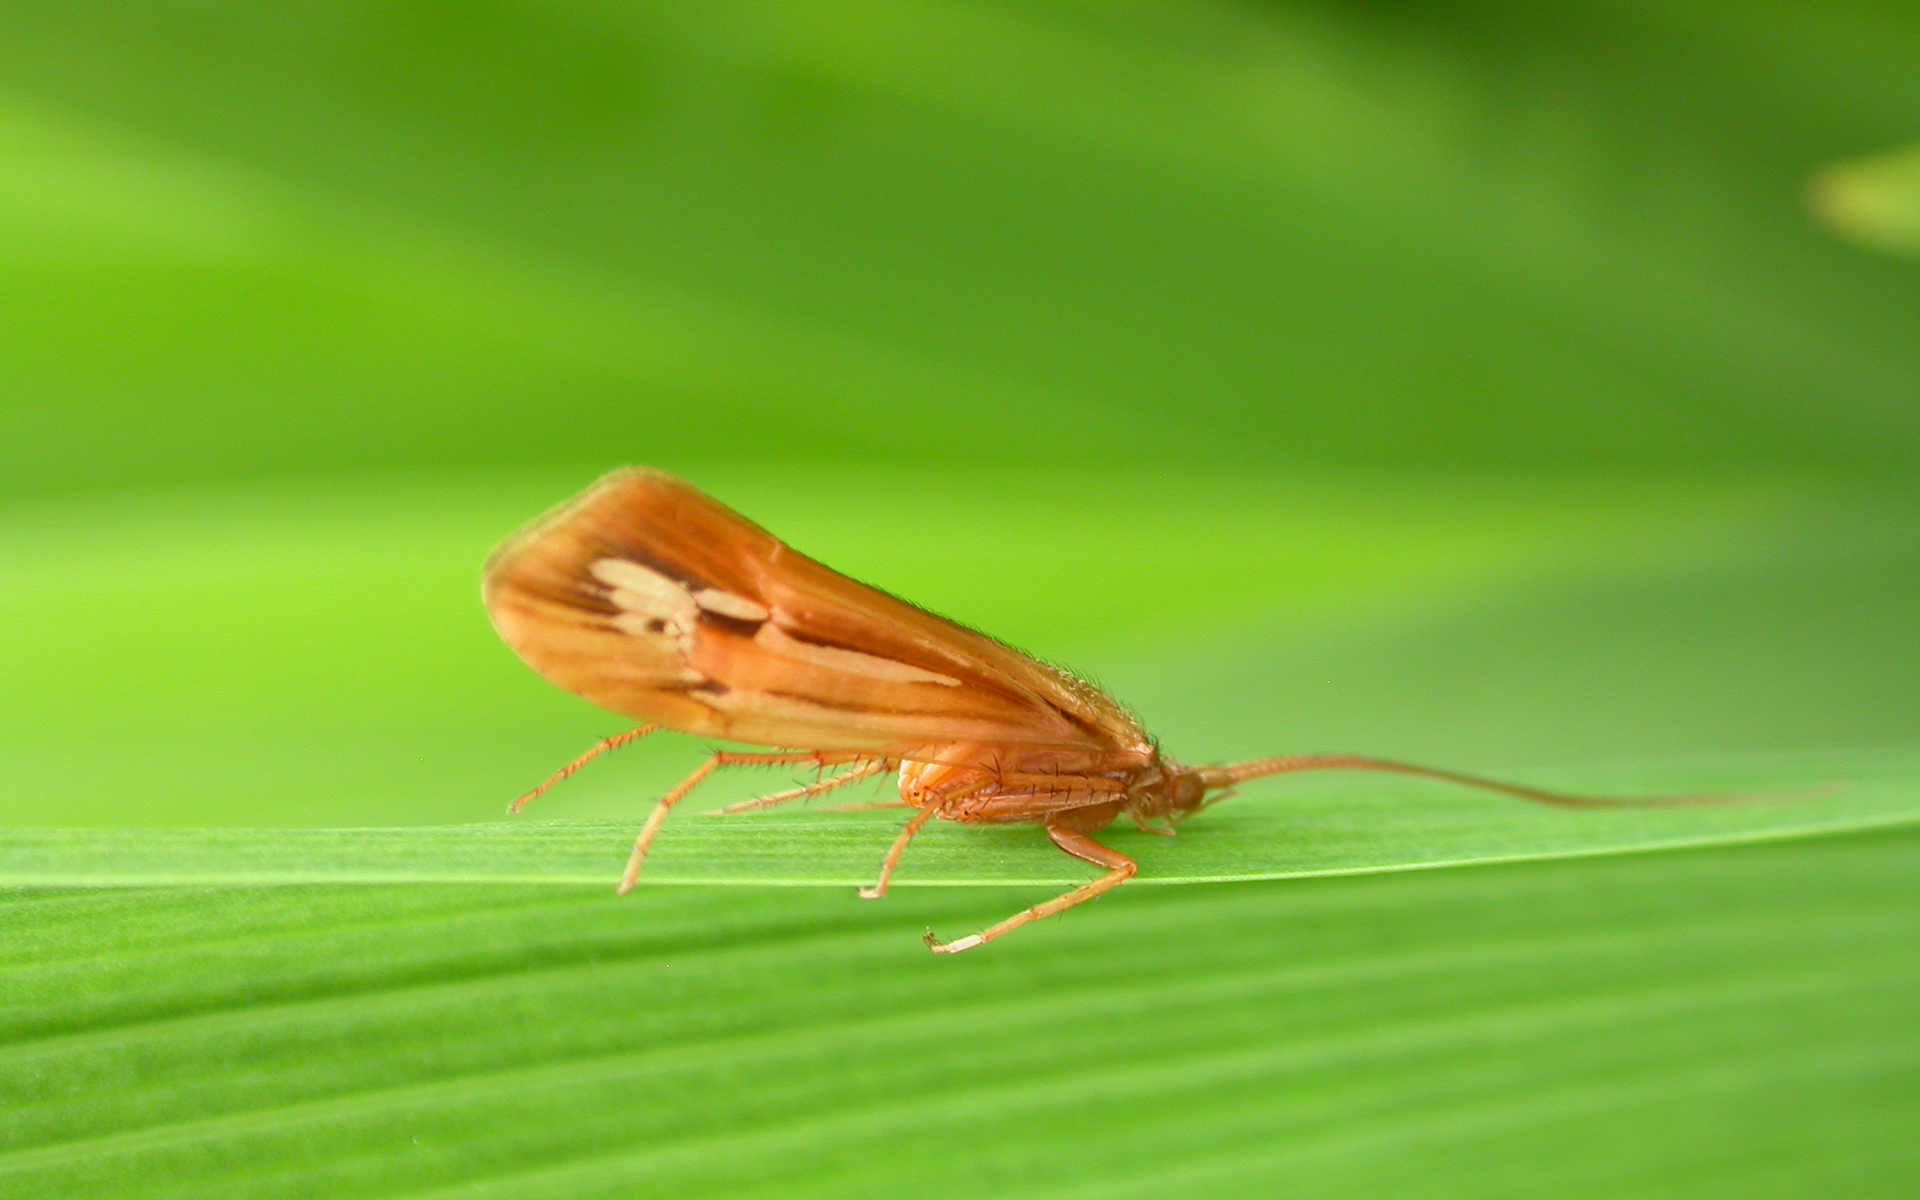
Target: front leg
1119, 867
1166, 830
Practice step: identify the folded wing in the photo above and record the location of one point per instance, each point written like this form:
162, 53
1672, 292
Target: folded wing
652, 599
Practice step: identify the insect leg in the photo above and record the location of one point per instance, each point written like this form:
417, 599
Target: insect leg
605, 744
721, 758
1166, 830
1119, 867
912, 827
863, 771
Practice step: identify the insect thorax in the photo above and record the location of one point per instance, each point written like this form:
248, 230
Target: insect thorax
1010, 787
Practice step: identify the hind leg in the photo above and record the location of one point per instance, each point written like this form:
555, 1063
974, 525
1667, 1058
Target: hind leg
817, 788
601, 747
1119, 867
722, 758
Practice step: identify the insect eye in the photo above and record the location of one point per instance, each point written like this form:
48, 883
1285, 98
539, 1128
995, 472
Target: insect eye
1186, 791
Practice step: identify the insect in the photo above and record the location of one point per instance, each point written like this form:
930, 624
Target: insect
652, 599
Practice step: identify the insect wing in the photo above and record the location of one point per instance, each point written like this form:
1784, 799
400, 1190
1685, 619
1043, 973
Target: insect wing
650, 598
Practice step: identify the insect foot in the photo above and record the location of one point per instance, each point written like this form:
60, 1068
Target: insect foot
954, 947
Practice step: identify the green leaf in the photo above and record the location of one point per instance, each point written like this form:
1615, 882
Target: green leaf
1459, 382
1321, 828
1728, 1023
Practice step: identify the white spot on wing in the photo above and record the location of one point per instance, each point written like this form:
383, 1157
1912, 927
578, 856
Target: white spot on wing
640, 588
651, 605
729, 605
640, 604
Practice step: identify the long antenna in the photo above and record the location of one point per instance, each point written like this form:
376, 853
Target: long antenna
1233, 773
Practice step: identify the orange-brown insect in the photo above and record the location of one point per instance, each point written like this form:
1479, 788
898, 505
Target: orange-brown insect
654, 600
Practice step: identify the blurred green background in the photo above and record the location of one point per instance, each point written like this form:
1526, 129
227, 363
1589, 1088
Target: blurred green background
1469, 382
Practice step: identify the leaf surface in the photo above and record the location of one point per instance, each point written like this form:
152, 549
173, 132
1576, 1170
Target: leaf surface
1324, 827
1728, 1023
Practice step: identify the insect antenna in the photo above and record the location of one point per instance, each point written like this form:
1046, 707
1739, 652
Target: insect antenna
1236, 773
